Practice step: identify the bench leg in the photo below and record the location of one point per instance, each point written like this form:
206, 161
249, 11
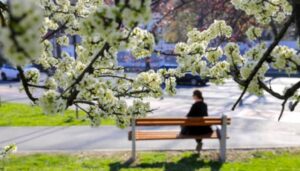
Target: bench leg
223, 139
133, 152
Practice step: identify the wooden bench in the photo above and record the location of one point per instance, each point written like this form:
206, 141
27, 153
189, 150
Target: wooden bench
139, 135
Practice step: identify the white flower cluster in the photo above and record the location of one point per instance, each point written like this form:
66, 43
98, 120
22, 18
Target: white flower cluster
85, 7
170, 79
46, 60
52, 103
251, 57
232, 52
214, 54
255, 53
139, 108
183, 48
169, 72
21, 38
264, 11
8, 150
141, 43
133, 15
51, 83
248, 62
219, 71
94, 114
254, 88
216, 29
33, 76
105, 22
200, 67
198, 56
246, 69
253, 33
49, 24
149, 82
119, 111
65, 73
171, 85
92, 88
62, 12
286, 59
63, 40
245, 64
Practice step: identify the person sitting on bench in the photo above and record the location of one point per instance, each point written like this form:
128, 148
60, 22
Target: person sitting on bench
198, 109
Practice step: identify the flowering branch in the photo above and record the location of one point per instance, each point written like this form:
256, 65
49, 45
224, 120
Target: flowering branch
3, 8
265, 57
52, 33
93, 78
88, 68
26, 85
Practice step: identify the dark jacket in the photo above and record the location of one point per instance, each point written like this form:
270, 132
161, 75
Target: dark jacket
199, 109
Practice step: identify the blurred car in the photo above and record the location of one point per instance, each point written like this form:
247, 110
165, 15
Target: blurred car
191, 79
8, 72
188, 78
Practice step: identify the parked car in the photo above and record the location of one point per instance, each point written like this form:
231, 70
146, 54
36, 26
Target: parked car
8, 72
191, 79
188, 78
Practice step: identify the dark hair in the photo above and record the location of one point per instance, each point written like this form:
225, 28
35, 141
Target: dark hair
198, 94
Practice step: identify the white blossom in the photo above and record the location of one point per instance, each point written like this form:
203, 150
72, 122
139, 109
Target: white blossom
24, 46
171, 86
51, 102
213, 54
264, 11
33, 76
8, 150
253, 33
63, 40
51, 83
141, 43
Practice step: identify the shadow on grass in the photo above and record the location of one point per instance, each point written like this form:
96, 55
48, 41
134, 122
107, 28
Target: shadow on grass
190, 163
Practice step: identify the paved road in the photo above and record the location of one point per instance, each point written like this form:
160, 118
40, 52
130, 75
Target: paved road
254, 123
244, 133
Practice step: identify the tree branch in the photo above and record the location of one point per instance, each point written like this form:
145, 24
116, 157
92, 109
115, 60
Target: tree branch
3, 6
3, 23
293, 105
25, 85
38, 86
282, 109
116, 76
269, 90
132, 93
52, 33
89, 67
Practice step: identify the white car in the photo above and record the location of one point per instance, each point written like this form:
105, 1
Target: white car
8, 72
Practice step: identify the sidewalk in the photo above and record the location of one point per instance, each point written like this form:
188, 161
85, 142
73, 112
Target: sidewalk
244, 134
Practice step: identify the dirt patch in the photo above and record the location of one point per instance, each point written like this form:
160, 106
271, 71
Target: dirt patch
232, 155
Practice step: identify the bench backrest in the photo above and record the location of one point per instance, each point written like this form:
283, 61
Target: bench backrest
195, 121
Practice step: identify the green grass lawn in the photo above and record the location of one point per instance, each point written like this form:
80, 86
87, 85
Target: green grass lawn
156, 161
14, 114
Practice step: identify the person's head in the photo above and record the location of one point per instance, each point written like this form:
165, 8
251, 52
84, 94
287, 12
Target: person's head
197, 95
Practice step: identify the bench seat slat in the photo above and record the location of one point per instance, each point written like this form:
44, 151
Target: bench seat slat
168, 135
201, 121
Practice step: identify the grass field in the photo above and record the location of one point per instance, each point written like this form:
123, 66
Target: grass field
14, 114
157, 161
